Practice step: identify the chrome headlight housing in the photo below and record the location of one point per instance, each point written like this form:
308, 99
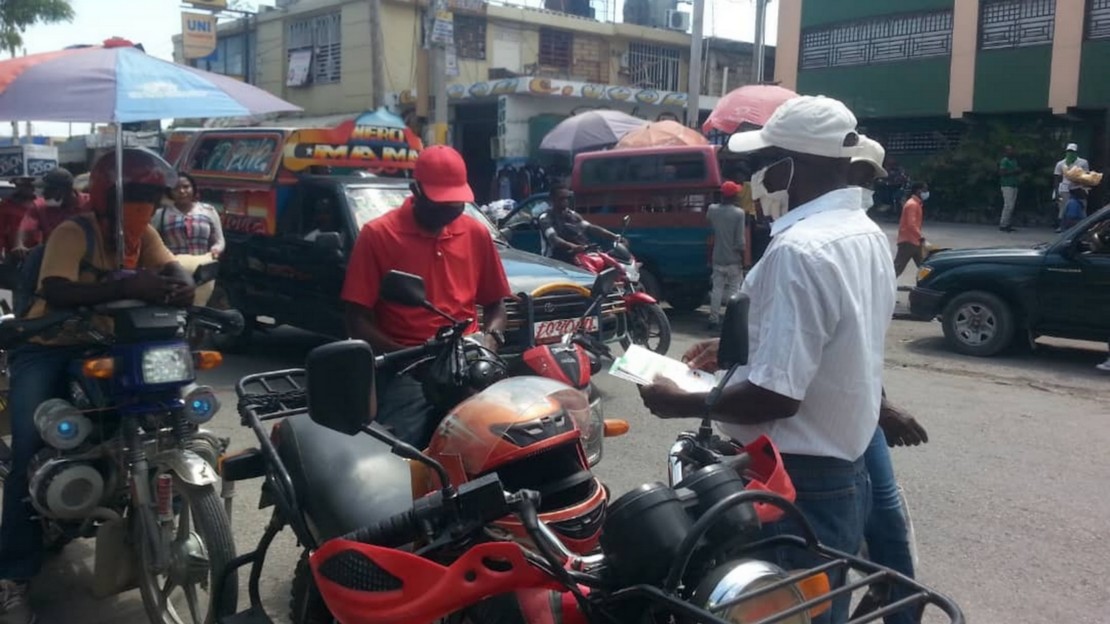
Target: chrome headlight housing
201, 404
167, 364
61, 425
632, 270
722, 592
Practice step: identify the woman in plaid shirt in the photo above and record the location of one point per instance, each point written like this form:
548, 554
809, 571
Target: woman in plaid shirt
189, 227
191, 230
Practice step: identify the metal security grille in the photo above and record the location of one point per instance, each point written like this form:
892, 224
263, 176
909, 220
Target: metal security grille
1016, 23
653, 66
470, 36
555, 48
879, 40
924, 142
1098, 19
321, 34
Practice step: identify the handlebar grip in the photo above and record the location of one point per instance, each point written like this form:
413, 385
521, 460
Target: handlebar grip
224, 321
389, 359
403, 528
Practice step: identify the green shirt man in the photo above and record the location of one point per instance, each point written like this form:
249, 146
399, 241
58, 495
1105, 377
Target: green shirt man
1008, 169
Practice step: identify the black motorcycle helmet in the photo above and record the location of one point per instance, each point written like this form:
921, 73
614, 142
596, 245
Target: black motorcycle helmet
459, 373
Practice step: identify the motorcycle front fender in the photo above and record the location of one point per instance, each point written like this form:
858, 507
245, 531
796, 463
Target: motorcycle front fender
639, 298
187, 466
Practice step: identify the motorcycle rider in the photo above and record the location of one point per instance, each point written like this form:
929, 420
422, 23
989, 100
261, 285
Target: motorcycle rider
564, 230
821, 300
73, 276
461, 269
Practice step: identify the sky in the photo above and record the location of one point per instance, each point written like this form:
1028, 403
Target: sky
154, 22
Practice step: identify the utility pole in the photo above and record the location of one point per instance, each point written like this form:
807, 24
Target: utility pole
437, 73
377, 56
693, 95
759, 76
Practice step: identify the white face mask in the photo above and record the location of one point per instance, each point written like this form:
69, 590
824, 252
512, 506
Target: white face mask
925, 196
53, 203
867, 198
775, 204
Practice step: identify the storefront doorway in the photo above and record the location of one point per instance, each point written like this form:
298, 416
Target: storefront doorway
475, 129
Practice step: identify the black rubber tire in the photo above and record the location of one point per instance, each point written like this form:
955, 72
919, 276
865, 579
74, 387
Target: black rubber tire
994, 312
306, 606
221, 299
686, 303
211, 523
640, 315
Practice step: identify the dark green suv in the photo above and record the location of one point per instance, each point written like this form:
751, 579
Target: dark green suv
986, 297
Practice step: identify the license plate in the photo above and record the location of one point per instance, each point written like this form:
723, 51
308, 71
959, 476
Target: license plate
555, 330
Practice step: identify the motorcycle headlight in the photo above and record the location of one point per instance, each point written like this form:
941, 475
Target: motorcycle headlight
593, 434
723, 592
162, 365
201, 404
61, 425
632, 271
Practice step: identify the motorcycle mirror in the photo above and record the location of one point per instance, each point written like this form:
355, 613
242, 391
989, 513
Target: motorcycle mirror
404, 289
340, 378
734, 333
605, 282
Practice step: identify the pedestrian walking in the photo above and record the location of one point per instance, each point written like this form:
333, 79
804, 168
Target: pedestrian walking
1063, 185
191, 230
728, 220
911, 242
1008, 179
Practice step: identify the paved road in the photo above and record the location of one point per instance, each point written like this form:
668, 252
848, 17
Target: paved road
1009, 498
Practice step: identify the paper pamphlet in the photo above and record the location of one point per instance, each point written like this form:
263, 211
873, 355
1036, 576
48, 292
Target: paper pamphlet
641, 366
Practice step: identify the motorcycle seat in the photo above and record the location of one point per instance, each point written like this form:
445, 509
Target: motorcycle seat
343, 482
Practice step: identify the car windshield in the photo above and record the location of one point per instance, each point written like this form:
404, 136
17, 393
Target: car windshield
371, 202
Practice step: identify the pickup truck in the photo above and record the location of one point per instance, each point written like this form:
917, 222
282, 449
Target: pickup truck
984, 298
293, 276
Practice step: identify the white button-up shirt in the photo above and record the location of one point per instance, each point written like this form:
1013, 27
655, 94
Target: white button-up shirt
822, 298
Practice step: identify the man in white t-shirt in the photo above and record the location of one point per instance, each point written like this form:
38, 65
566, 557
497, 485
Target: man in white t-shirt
821, 301
1064, 185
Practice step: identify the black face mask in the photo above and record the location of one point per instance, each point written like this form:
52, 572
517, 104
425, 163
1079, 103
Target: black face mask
434, 217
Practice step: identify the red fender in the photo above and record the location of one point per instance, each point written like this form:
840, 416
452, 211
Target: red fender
639, 298
418, 591
767, 473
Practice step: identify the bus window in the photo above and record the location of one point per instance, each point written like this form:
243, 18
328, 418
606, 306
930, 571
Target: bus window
618, 170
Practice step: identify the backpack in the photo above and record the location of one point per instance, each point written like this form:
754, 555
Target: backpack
23, 297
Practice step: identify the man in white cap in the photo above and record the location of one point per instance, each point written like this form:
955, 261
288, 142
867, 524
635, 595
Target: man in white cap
1063, 185
821, 301
866, 169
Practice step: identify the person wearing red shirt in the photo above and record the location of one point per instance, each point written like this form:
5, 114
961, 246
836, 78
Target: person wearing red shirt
13, 208
911, 242
461, 269
60, 202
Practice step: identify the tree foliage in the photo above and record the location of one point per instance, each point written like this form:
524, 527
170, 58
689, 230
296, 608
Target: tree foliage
16, 16
964, 182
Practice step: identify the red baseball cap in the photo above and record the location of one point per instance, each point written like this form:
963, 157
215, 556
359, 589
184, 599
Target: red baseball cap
441, 174
730, 189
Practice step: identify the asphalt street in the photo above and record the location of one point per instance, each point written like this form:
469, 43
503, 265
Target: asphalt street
1009, 498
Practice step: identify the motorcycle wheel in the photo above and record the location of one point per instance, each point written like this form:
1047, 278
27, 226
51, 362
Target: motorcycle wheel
202, 547
649, 327
306, 606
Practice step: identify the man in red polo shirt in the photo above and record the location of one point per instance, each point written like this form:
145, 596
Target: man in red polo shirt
461, 269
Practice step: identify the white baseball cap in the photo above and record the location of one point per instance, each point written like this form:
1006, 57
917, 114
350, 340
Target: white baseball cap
1072, 147
816, 125
872, 153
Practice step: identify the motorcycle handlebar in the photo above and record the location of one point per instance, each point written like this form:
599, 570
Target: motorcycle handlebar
223, 321
394, 532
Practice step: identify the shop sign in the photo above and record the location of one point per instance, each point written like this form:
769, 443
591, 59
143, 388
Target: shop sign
548, 87
198, 34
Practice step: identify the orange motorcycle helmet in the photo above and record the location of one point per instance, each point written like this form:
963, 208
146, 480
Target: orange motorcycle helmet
526, 429
145, 175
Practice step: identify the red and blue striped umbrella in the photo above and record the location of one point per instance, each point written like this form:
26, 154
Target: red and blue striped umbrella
120, 83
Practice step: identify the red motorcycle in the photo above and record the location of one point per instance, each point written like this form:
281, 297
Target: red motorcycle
648, 325
666, 554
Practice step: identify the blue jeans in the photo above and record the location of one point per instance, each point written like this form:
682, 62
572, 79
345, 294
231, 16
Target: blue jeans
835, 496
37, 373
888, 542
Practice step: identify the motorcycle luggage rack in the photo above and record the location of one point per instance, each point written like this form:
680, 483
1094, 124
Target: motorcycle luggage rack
263, 397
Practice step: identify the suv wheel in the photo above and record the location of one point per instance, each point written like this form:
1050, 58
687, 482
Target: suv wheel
978, 323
